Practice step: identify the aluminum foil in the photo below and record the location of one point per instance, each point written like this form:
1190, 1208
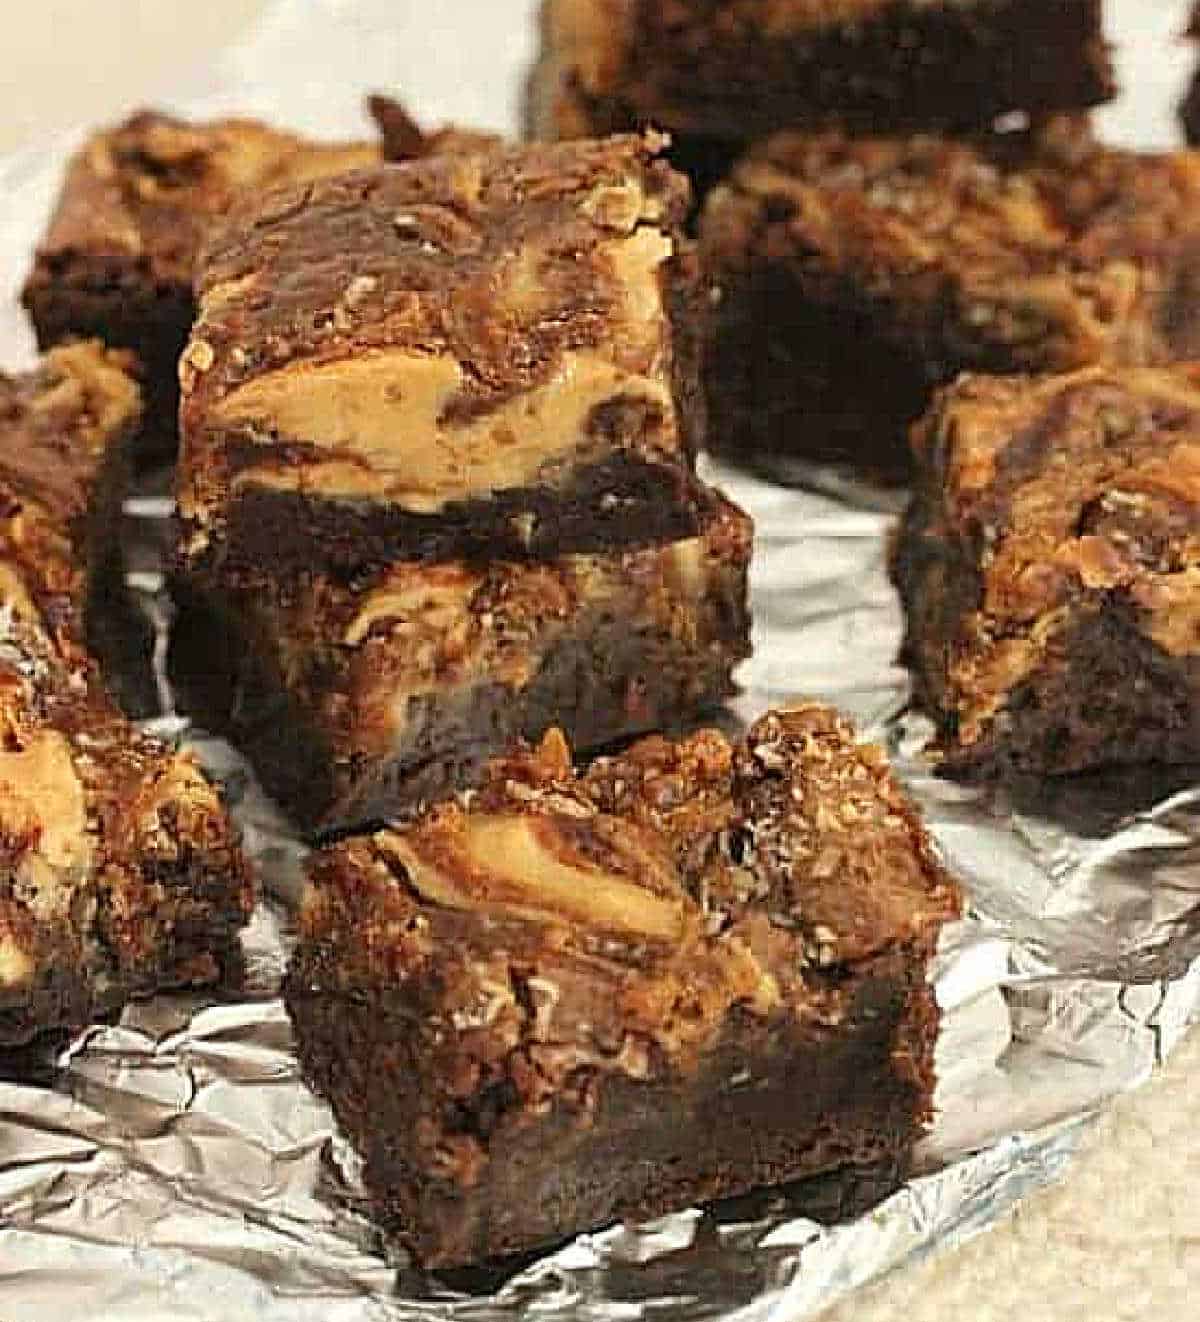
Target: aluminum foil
173, 1165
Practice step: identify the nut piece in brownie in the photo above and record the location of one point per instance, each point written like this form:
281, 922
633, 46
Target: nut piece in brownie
119, 870
1050, 570
354, 703
856, 275
720, 73
691, 971
119, 256
489, 353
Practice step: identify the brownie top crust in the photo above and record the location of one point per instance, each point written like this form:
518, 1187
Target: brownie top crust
144, 193
60, 426
614, 919
1060, 492
437, 331
1036, 252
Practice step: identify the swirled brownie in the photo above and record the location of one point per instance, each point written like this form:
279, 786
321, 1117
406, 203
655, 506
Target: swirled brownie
719, 73
66, 431
1050, 570
689, 971
119, 870
119, 256
355, 702
481, 354
857, 275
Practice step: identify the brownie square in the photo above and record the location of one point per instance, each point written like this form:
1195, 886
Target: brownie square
718, 74
119, 870
1050, 570
856, 275
354, 703
118, 258
483, 354
693, 970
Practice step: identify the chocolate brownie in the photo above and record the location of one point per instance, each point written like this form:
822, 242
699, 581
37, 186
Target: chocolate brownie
354, 703
66, 431
480, 354
119, 870
692, 970
118, 258
1189, 110
720, 73
1050, 570
857, 275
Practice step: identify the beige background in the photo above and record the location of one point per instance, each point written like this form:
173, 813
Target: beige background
65, 61
1121, 1238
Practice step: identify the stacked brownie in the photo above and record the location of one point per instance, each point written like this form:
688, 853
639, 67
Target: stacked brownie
438, 432
119, 870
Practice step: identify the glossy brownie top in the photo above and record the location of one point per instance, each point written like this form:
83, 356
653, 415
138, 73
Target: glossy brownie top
1035, 252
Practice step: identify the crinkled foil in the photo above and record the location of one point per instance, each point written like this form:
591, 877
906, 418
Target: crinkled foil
174, 1166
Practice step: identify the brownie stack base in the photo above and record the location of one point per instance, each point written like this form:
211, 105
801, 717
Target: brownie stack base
354, 704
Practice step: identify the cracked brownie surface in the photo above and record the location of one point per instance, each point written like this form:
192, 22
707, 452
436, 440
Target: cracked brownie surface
857, 275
